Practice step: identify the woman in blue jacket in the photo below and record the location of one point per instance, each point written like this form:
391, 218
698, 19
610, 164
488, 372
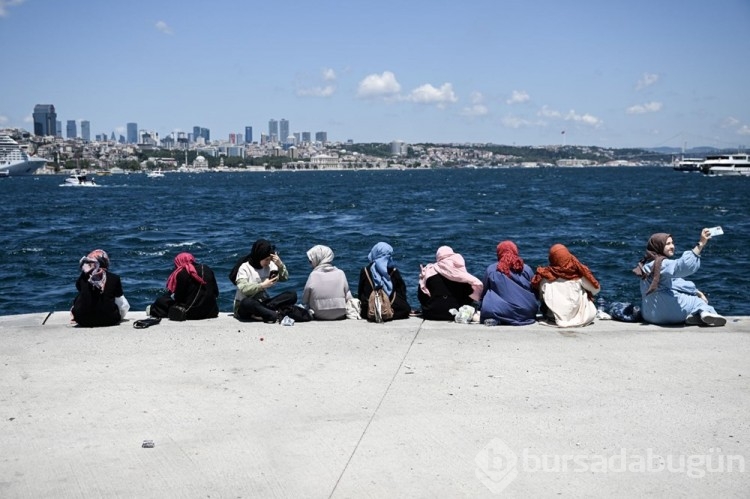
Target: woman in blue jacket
507, 296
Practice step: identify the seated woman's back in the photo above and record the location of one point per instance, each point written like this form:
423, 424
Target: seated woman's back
508, 297
98, 292
381, 274
327, 289
194, 287
446, 285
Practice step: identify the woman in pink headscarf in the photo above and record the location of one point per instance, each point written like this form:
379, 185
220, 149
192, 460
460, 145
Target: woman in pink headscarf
566, 289
446, 284
100, 300
508, 298
192, 285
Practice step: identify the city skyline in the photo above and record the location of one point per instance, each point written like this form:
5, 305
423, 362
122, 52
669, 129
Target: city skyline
520, 73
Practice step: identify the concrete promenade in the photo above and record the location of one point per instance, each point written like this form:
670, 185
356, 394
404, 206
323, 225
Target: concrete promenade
350, 409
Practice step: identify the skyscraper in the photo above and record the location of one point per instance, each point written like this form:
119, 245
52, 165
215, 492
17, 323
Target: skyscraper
45, 119
273, 130
283, 130
71, 130
321, 137
86, 130
248, 135
132, 133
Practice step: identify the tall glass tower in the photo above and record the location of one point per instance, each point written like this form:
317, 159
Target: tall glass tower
45, 120
72, 133
273, 130
283, 130
86, 130
248, 135
132, 133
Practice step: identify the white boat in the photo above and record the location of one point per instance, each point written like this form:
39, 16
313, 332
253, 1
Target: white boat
15, 161
155, 174
727, 164
79, 180
688, 164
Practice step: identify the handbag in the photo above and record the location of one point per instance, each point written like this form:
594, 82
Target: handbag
179, 312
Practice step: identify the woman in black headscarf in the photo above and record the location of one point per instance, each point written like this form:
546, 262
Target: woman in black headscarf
258, 271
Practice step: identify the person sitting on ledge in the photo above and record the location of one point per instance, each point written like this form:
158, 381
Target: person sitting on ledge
566, 289
194, 287
507, 296
100, 300
327, 290
259, 270
382, 273
667, 298
446, 285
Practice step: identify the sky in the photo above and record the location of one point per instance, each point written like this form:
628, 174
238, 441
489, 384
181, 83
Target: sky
618, 73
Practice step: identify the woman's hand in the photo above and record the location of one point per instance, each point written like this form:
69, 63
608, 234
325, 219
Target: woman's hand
275, 259
705, 236
270, 281
701, 296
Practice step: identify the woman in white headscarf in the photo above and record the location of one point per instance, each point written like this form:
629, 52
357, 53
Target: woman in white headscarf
327, 290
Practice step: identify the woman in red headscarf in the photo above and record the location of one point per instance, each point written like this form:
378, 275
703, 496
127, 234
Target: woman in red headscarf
194, 287
507, 297
566, 289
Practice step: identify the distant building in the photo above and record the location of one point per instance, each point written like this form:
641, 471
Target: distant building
321, 137
58, 129
283, 130
86, 130
248, 135
273, 130
306, 136
71, 132
398, 148
132, 131
45, 120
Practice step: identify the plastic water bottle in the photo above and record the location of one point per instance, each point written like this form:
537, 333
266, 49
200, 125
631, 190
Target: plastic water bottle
490, 322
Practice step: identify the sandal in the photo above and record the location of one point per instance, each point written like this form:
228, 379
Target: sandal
144, 323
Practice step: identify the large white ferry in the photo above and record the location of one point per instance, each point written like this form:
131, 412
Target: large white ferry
727, 164
15, 161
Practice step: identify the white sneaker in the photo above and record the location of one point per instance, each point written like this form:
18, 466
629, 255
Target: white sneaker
693, 320
710, 319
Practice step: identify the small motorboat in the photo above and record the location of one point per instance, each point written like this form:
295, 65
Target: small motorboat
155, 174
79, 180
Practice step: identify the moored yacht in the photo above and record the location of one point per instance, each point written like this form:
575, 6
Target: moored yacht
688, 164
727, 164
15, 161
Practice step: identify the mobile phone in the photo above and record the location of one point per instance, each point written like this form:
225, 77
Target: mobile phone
273, 274
716, 231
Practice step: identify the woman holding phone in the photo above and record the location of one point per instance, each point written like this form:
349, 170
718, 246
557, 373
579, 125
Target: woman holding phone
667, 297
260, 270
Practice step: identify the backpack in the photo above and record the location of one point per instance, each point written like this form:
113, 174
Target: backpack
379, 307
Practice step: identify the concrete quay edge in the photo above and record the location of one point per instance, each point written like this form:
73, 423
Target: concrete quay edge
410, 408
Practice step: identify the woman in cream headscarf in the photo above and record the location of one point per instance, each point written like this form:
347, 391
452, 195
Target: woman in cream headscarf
327, 290
566, 289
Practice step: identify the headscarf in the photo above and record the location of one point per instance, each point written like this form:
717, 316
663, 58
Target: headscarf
508, 259
654, 252
320, 255
381, 256
183, 261
95, 264
563, 265
261, 249
451, 266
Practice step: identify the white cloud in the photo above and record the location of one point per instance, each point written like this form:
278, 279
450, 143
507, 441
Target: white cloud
586, 119
4, 120
6, 4
548, 113
375, 85
517, 97
743, 130
163, 27
646, 80
475, 110
730, 122
325, 91
427, 94
329, 74
649, 107
29, 119
511, 121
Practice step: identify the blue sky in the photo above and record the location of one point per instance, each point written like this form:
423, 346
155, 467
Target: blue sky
635, 73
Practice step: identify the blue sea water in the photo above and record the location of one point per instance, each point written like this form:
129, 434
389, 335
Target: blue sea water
604, 215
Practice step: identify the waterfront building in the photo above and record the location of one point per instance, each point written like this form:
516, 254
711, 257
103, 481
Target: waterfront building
324, 162
248, 135
86, 130
132, 131
283, 130
71, 132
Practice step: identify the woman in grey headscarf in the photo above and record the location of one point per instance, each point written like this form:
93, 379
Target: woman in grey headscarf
327, 290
